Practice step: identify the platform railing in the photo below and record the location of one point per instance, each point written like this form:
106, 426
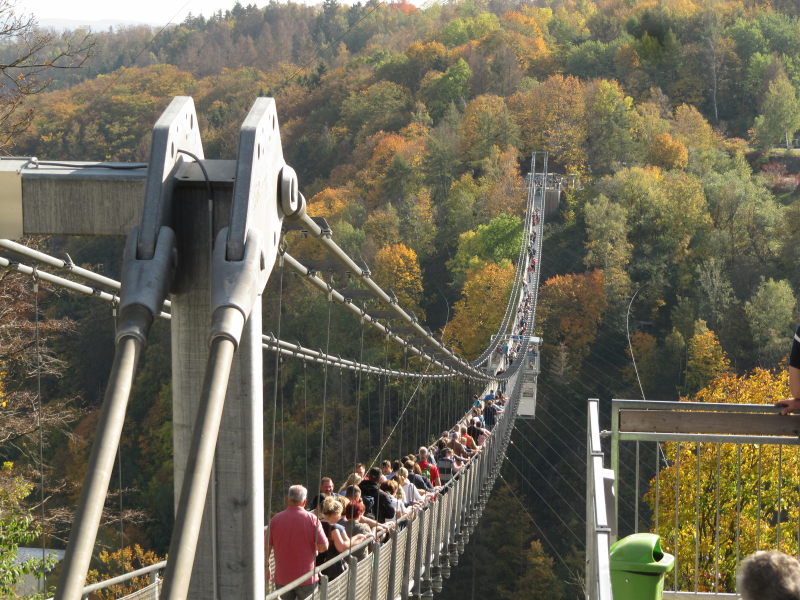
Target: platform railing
149, 592
599, 511
716, 481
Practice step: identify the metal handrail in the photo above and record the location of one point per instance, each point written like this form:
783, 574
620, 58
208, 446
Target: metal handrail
459, 494
96, 587
598, 519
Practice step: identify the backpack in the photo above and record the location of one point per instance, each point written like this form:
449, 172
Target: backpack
426, 472
369, 506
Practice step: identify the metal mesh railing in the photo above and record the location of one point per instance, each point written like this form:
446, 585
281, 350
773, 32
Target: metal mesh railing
716, 481
415, 559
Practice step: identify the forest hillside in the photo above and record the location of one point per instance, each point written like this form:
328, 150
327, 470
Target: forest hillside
411, 129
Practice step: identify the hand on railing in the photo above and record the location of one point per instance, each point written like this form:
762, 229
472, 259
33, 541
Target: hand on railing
789, 405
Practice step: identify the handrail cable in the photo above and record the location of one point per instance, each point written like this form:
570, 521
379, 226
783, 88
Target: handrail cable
286, 348
324, 238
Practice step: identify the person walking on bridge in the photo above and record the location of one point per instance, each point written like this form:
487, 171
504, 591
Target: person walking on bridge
295, 535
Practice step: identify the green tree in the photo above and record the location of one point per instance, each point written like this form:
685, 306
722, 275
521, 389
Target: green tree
607, 247
459, 212
717, 290
17, 528
440, 90
497, 241
770, 312
382, 106
613, 126
780, 114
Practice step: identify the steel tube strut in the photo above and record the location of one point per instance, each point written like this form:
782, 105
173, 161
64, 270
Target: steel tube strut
98, 473
189, 514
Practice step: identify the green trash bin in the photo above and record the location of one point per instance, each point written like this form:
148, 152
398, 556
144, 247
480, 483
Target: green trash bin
638, 566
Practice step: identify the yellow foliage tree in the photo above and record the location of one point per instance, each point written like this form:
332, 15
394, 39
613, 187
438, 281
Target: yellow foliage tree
552, 117
397, 268
480, 309
706, 359
124, 560
758, 488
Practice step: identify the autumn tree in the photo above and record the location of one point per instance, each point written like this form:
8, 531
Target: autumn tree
552, 116
396, 267
487, 123
30, 56
749, 480
706, 359
505, 186
667, 153
571, 308
479, 311
105, 119
124, 560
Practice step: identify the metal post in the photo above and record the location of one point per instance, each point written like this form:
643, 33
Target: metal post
376, 563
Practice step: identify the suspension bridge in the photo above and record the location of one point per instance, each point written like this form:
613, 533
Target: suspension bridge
199, 251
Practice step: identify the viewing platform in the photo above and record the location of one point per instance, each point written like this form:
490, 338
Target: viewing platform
715, 481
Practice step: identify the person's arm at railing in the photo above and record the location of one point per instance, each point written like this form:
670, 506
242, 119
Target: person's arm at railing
793, 404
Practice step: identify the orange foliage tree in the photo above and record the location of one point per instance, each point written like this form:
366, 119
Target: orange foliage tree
570, 308
480, 309
668, 153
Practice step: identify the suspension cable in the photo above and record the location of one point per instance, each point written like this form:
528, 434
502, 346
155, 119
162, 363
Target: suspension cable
324, 393
39, 416
275, 395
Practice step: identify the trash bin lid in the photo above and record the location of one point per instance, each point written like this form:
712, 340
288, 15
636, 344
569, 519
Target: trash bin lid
640, 553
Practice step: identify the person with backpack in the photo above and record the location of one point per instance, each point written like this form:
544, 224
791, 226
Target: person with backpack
428, 469
490, 415
382, 504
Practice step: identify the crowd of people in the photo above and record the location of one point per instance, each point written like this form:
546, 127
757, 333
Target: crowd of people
371, 502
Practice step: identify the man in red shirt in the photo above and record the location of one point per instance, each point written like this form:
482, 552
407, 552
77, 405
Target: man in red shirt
295, 536
429, 469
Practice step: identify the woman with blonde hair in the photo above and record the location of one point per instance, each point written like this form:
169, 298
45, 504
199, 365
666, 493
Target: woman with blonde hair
338, 540
410, 493
352, 479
